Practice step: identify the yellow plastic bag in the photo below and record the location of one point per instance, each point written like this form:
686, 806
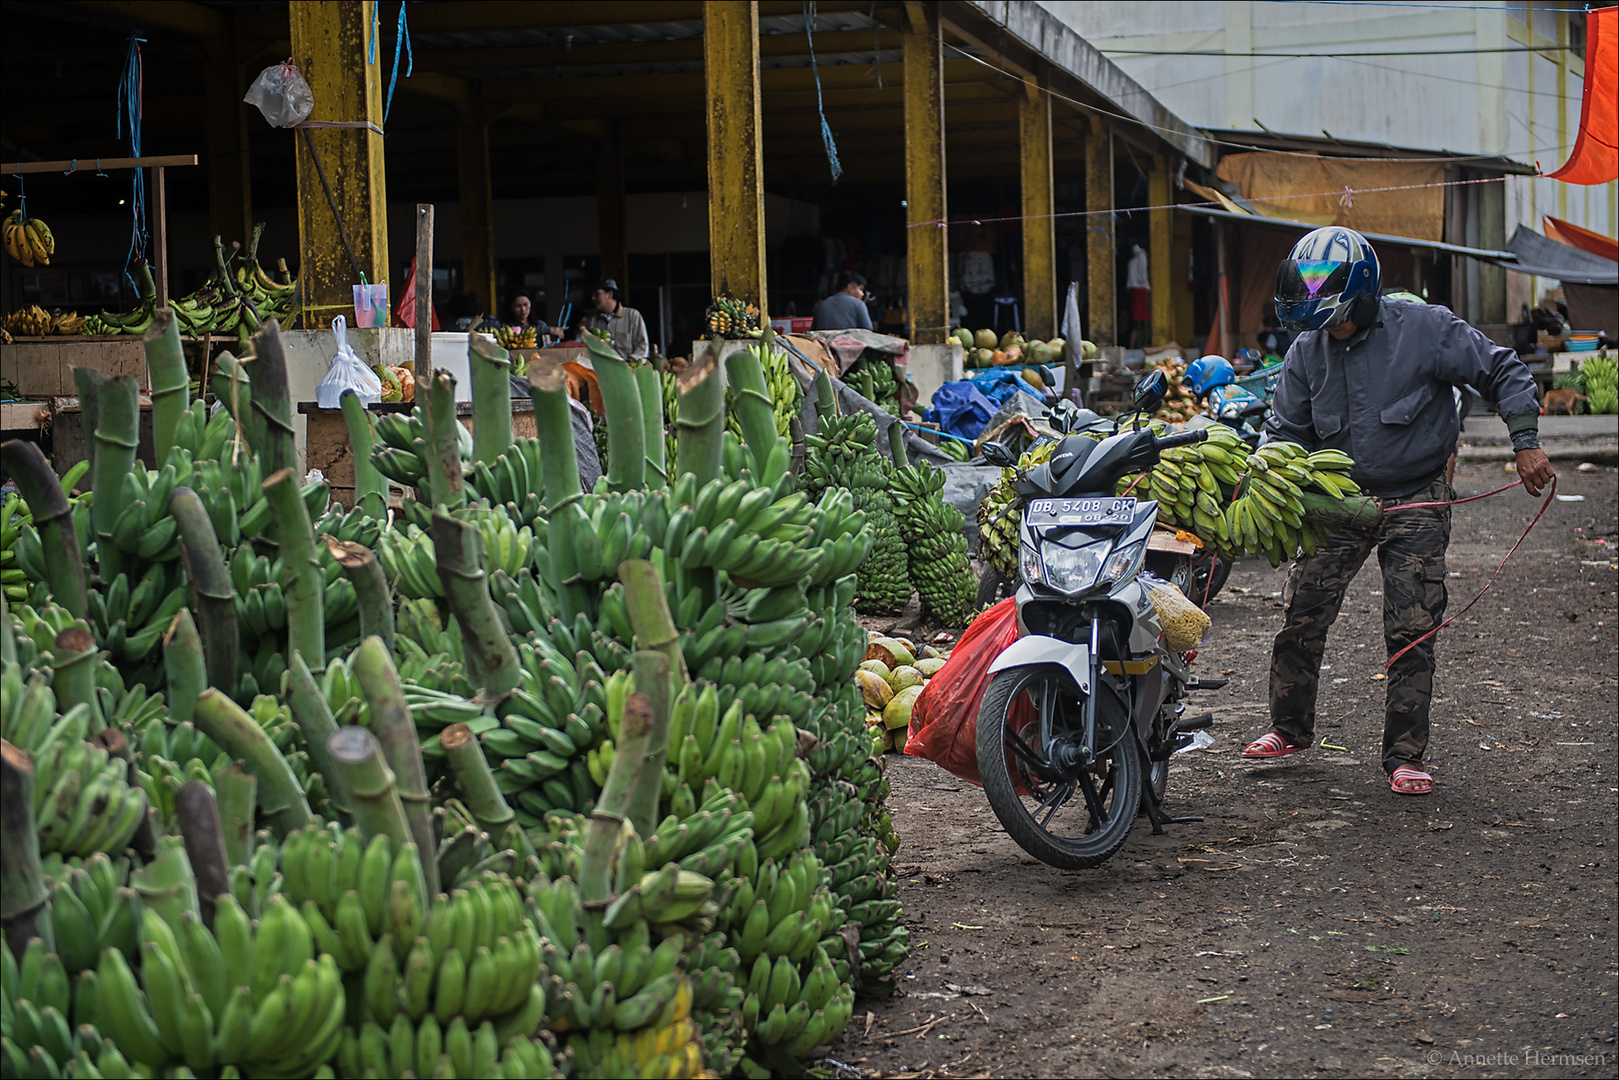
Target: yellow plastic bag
1185, 624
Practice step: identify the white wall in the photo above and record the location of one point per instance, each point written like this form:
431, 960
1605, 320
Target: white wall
1516, 104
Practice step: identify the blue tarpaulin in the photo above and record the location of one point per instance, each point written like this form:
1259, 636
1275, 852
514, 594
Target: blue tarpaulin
998, 384
960, 408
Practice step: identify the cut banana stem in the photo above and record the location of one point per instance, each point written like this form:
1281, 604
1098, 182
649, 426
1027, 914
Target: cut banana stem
236, 793
479, 791
490, 368
22, 883
491, 661
376, 610
755, 412
370, 486
185, 667
197, 815
369, 786
167, 884
75, 657
53, 518
613, 806
621, 404
304, 587
444, 487
272, 399
553, 422
171, 382
280, 798
312, 714
116, 433
396, 732
650, 385
215, 599
700, 428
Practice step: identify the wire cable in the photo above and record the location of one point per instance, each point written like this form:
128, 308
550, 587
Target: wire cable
131, 90
820, 103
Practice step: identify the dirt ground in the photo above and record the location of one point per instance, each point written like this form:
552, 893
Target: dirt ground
1314, 923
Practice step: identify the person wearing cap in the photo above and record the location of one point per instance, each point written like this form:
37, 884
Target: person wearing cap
624, 325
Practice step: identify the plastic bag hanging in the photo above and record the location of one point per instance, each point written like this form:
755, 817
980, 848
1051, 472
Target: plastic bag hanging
348, 372
282, 95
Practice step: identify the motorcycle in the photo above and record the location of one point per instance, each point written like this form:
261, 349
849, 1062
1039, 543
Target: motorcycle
1083, 711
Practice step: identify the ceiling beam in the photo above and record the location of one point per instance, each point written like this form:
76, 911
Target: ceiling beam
685, 50
454, 16
180, 16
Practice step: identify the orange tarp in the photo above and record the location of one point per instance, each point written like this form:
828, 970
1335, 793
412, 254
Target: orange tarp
1596, 152
1567, 233
1343, 191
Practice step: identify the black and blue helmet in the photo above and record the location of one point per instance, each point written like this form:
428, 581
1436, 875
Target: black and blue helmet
1330, 276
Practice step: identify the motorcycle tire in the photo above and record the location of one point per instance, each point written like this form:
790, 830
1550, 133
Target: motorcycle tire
1003, 765
1209, 575
992, 587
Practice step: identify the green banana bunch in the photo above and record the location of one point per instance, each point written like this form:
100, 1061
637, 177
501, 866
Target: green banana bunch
84, 801
1289, 500
91, 908
429, 1048
1601, 374
37, 1033
844, 454
786, 396
935, 546
1000, 514
15, 520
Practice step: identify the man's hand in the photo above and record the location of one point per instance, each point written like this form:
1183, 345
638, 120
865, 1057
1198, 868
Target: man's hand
1535, 470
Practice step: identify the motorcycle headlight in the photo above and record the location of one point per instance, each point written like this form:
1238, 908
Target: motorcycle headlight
1124, 564
1029, 564
1071, 570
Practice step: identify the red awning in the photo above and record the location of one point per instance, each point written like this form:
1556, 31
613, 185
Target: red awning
1596, 152
1567, 233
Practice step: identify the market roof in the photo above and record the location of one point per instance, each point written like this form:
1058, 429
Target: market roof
1504, 258
1240, 140
1541, 255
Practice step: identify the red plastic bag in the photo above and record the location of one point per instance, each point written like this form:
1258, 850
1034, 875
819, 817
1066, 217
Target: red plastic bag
405, 312
944, 722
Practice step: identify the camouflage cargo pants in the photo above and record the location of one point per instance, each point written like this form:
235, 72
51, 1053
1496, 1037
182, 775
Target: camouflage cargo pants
1411, 550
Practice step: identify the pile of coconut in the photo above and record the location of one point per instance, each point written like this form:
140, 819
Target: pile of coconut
891, 678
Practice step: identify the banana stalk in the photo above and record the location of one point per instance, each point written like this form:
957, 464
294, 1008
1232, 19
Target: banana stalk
623, 779
74, 658
376, 608
491, 661
53, 517
621, 401
369, 785
89, 381
700, 426
312, 714
396, 733
236, 792
214, 596
490, 366
650, 385
479, 792
171, 381
370, 486
655, 631
22, 884
167, 885
896, 444
117, 429
185, 667
272, 400
232, 386
8, 641
280, 799
755, 414
826, 402
559, 460
444, 483
198, 818
305, 586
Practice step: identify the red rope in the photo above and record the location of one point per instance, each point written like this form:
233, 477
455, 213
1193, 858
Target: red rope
1551, 492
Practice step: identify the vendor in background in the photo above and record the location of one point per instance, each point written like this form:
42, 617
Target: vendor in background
846, 308
624, 325
520, 313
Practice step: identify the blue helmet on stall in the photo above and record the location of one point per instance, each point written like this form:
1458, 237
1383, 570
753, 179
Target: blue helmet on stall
1331, 276
1207, 372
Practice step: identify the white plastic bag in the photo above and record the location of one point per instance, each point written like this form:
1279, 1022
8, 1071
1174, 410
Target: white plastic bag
282, 95
348, 372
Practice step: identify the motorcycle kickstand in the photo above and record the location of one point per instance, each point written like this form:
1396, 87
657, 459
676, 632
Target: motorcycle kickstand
1155, 813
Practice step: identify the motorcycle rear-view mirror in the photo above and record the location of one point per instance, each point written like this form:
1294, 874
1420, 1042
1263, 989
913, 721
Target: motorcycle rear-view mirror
1149, 392
997, 454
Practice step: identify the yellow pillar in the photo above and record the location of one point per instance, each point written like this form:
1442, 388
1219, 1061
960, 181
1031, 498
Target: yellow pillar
1100, 268
736, 203
1039, 228
928, 252
1160, 258
330, 40
477, 202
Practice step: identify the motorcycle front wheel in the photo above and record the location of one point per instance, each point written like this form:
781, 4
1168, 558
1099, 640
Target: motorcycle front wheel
1074, 823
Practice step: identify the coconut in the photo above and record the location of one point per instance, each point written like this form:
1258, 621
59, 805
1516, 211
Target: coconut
983, 357
876, 667
890, 652
928, 652
965, 336
905, 676
1040, 353
897, 713
1011, 337
1087, 349
929, 667
1032, 377
874, 688
984, 339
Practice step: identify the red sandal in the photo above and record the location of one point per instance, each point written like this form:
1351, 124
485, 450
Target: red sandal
1271, 745
1405, 774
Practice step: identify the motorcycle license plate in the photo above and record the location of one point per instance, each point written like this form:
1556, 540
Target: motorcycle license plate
1081, 511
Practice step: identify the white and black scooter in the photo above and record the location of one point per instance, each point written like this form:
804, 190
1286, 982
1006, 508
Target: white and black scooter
1083, 711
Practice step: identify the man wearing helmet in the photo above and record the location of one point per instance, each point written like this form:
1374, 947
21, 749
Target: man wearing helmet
1373, 378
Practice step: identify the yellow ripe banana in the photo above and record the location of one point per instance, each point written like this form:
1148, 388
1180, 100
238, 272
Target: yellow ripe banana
36, 242
45, 236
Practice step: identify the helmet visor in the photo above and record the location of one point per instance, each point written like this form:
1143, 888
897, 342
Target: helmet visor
1299, 280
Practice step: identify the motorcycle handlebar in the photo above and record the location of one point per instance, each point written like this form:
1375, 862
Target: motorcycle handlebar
1183, 438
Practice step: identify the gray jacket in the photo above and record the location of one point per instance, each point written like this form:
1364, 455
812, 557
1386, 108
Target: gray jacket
1383, 396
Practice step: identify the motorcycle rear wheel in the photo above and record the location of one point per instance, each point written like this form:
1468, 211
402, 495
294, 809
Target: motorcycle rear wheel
1074, 824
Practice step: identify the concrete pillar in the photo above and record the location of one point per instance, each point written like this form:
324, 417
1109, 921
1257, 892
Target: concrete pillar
736, 205
1039, 227
1100, 265
927, 247
1160, 246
